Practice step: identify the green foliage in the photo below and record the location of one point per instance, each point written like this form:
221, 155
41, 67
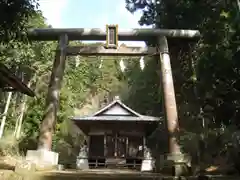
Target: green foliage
145, 84
214, 58
9, 146
14, 18
206, 73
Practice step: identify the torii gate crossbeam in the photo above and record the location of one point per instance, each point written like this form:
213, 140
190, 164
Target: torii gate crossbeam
96, 34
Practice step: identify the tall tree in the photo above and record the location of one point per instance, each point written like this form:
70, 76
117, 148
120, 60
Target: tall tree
14, 15
206, 74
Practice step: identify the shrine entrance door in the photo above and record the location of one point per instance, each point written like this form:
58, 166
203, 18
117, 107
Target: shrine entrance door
116, 146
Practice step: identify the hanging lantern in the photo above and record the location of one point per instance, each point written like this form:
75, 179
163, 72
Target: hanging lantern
142, 63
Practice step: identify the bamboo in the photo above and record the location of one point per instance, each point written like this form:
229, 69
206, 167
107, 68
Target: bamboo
23, 108
3, 122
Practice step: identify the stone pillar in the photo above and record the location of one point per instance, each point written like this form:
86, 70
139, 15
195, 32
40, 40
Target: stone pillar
170, 106
43, 155
169, 100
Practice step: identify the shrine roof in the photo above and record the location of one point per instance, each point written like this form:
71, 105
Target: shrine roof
10, 82
117, 111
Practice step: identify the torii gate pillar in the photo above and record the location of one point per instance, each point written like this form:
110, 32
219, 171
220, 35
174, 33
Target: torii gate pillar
169, 100
43, 155
171, 114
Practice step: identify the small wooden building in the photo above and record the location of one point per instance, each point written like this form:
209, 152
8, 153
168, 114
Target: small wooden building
116, 135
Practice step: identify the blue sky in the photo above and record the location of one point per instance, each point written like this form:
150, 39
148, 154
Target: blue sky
89, 14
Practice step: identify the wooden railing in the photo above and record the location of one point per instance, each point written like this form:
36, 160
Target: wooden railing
118, 162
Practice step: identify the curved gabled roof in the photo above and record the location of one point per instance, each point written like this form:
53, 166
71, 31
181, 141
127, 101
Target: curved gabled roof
117, 111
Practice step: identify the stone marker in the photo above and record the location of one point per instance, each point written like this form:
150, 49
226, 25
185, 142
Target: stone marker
82, 159
25, 167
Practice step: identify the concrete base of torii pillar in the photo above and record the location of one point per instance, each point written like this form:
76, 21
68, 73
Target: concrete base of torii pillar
43, 159
176, 164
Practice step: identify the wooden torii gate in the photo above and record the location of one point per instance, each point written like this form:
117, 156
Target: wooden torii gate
63, 36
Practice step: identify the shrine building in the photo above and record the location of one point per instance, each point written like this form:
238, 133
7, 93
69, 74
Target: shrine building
116, 137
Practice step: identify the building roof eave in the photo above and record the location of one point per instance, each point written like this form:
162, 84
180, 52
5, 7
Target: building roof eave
117, 118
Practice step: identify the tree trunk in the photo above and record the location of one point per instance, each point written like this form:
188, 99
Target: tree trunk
52, 101
23, 107
3, 122
238, 4
18, 130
